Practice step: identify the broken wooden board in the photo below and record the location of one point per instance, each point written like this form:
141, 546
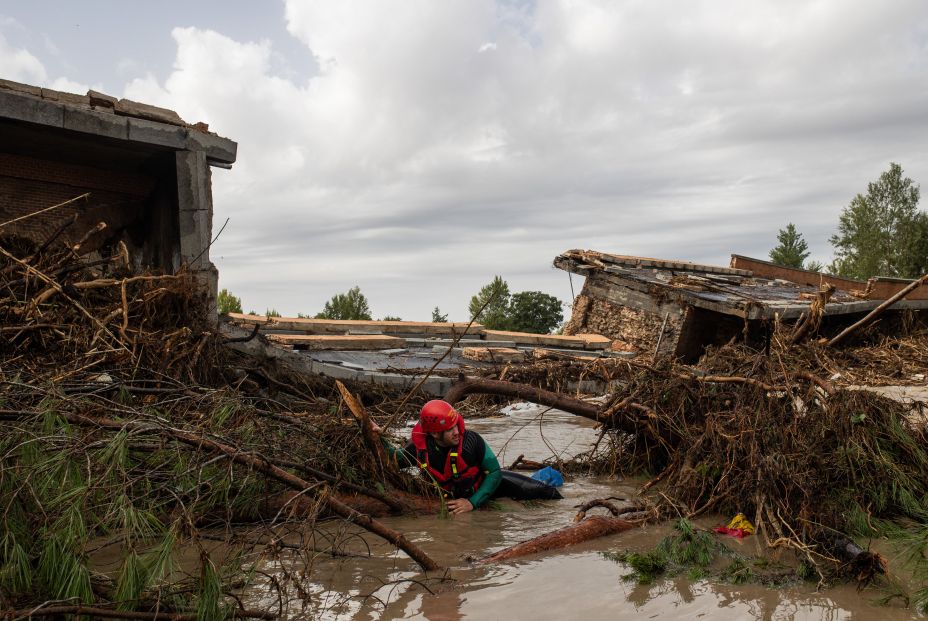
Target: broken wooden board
338, 342
493, 354
342, 326
577, 341
550, 354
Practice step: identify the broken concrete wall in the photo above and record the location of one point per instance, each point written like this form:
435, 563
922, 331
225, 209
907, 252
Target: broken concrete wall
146, 174
632, 319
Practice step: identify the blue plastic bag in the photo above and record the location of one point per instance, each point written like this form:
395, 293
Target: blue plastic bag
550, 476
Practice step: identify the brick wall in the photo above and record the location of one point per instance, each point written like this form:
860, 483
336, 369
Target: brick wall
30, 184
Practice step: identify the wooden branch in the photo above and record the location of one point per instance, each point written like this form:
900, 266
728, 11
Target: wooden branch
731, 379
245, 339
619, 420
825, 385
41, 211
461, 389
261, 464
371, 438
912, 286
394, 505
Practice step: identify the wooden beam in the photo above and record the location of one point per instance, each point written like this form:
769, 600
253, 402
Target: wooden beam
578, 341
493, 354
338, 342
343, 326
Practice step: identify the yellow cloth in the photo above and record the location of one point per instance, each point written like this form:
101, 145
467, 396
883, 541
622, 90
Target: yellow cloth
739, 521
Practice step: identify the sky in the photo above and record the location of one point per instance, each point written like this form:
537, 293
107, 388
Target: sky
417, 148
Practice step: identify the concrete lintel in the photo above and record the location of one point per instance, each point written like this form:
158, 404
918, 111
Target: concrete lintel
81, 101
216, 147
152, 132
96, 123
22, 107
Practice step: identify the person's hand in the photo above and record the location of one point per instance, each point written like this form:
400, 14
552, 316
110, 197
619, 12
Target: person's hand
375, 428
460, 505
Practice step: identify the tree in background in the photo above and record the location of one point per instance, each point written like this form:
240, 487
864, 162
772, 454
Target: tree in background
493, 299
391, 318
792, 250
228, 303
271, 312
350, 305
883, 233
527, 311
814, 266
437, 317
534, 311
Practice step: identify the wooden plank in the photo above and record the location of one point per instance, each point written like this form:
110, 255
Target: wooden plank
493, 354
338, 342
342, 326
578, 341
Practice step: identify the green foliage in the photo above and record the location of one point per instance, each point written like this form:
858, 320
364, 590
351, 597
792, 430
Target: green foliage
490, 306
392, 318
437, 317
527, 311
792, 250
883, 233
349, 305
210, 604
814, 266
271, 312
228, 303
690, 549
131, 582
534, 311
737, 572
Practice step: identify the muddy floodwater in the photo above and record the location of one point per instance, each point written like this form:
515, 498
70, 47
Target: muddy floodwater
577, 584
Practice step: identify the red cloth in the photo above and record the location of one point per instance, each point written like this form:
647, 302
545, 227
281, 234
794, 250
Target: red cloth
733, 532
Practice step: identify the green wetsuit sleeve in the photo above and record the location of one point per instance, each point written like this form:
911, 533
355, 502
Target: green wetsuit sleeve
492, 478
405, 457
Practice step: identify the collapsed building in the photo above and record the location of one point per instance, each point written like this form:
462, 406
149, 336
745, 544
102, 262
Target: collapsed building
678, 308
108, 173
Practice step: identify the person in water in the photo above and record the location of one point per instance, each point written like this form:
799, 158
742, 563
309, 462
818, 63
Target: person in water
458, 460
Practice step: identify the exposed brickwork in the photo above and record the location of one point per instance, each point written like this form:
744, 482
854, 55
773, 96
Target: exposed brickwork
29, 184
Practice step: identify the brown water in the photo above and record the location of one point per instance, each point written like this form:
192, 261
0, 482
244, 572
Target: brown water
578, 584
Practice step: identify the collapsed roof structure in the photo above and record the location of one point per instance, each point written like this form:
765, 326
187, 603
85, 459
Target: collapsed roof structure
400, 353
677, 308
101, 171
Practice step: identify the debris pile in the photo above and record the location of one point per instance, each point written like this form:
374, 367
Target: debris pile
132, 435
782, 436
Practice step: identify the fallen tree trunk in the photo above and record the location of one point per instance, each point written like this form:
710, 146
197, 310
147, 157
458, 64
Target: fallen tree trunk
592, 527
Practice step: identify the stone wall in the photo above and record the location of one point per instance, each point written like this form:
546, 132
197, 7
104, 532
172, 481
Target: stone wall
629, 328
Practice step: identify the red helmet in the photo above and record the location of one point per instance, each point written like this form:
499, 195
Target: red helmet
437, 416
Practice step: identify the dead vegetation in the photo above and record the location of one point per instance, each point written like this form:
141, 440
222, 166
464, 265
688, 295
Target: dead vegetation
131, 434
777, 435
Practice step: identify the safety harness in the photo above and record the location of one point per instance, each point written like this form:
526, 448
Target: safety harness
456, 477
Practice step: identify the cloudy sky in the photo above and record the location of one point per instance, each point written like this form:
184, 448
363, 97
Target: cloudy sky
418, 147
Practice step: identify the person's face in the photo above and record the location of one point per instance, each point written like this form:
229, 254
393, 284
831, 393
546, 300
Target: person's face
448, 437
